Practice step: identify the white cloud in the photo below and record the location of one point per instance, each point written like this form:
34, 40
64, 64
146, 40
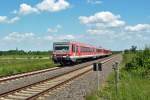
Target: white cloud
26, 41
14, 12
51, 30
31, 41
49, 38
15, 36
99, 31
27, 9
64, 37
60, 37
138, 27
13, 20
45, 5
58, 26
53, 5
70, 37
107, 18
54, 30
94, 1
5, 19
104, 23
108, 29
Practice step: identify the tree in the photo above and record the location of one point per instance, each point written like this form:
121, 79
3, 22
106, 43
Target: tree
126, 51
133, 48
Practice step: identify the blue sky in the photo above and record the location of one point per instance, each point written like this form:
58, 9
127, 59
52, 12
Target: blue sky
36, 24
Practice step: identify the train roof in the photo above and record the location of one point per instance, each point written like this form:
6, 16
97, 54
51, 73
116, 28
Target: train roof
74, 42
78, 43
68, 42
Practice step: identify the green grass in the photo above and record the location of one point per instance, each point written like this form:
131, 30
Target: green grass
23, 56
15, 66
132, 85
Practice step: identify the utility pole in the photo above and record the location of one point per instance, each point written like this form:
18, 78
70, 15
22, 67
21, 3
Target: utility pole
116, 71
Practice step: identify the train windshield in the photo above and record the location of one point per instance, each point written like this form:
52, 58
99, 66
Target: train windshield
61, 48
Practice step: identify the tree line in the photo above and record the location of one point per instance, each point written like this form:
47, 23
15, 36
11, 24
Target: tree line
22, 52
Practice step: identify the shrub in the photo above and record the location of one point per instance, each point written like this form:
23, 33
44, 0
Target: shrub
141, 61
40, 57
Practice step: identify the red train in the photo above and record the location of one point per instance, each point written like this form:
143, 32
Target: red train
71, 52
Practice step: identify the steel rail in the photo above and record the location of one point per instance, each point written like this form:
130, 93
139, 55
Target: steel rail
8, 78
104, 60
13, 77
33, 97
22, 88
57, 85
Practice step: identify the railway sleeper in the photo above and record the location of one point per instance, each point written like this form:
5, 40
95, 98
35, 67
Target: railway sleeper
22, 94
16, 97
34, 90
30, 92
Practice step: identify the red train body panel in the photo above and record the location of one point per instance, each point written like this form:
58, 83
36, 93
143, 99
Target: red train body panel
70, 52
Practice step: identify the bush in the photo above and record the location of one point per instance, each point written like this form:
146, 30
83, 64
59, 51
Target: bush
40, 57
141, 60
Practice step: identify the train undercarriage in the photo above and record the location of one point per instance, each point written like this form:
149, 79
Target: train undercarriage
72, 61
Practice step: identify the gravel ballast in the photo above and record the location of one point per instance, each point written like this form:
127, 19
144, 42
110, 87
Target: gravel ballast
80, 87
28, 80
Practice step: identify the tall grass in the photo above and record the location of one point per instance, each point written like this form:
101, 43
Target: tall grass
134, 83
131, 87
15, 66
22, 56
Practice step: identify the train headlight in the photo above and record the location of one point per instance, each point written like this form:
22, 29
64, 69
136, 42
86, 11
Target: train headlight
67, 57
54, 55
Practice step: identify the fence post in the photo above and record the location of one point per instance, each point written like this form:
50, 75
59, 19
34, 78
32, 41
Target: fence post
97, 67
116, 71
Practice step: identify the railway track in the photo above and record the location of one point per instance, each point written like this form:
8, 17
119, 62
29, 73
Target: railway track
34, 90
19, 76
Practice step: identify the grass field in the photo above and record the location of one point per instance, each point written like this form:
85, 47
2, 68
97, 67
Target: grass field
14, 66
133, 85
24, 56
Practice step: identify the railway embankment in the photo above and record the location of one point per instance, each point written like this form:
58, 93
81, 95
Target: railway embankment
63, 83
77, 89
35, 84
134, 79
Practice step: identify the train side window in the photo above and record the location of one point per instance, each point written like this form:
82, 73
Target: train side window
73, 48
81, 49
76, 48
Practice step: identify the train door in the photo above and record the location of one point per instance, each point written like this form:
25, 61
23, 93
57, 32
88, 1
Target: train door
75, 50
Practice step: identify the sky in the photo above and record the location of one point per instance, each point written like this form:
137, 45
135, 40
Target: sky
36, 24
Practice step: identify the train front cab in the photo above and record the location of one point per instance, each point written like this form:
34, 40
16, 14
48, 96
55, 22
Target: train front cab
65, 53
61, 52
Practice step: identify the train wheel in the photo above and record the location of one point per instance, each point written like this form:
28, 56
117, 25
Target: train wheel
62, 64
